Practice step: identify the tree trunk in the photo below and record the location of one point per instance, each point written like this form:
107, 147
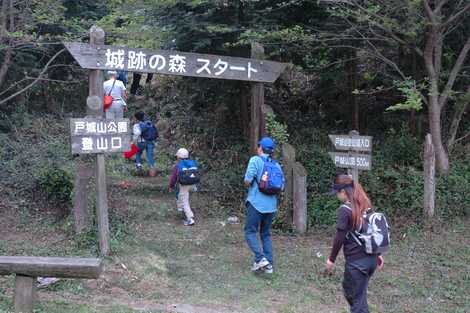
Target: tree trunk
442, 158
12, 17
460, 108
5, 65
135, 83
3, 18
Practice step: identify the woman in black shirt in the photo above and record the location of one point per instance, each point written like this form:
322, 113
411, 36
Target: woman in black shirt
359, 265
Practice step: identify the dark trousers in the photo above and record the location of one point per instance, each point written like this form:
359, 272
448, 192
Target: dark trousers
356, 279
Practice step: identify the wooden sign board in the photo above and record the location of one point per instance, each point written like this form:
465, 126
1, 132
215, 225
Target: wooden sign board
354, 143
348, 160
105, 57
94, 135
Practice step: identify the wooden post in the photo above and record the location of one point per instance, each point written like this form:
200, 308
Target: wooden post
96, 89
354, 171
300, 198
244, 112
84, 172
257, 100
429, 179
288, 161
80, 208
25, 289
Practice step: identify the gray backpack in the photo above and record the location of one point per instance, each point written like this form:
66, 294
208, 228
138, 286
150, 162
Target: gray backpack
374, 233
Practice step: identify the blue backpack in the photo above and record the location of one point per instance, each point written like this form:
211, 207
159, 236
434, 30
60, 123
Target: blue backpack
272, 179
148, 130
188, 172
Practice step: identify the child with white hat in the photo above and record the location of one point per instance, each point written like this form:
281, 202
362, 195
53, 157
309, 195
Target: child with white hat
184, 176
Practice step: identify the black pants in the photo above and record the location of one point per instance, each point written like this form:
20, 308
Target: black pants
356, 279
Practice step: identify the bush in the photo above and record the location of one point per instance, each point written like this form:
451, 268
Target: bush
322, 209
398, 147
56, 185
453, 191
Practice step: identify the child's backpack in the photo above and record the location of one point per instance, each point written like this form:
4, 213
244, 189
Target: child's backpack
188, 172
374, 234
148, 130
272, 179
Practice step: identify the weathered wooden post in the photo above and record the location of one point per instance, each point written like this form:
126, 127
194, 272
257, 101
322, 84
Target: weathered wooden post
84, 172
27, 268
257, 100
288, 161
95, 106
355, 170
25, 293
429, 180
300, 198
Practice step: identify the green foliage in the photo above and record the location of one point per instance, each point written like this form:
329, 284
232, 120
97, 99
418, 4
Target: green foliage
398, 147
412, 95
322, 209
276, 130
452, 190
56, 185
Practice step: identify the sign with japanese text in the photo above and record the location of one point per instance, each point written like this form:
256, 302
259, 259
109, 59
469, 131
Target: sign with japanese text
347, 142
174, 63
348, 160
358, 155
94, 135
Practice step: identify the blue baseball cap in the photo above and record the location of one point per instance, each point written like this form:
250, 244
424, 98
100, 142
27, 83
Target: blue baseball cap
268, 144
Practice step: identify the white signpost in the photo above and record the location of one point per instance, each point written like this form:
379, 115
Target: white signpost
353, 159
94, 135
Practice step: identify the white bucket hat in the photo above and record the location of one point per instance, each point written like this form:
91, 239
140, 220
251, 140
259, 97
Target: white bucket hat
182, 153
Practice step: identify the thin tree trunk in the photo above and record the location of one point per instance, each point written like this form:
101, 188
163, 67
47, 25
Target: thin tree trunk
12, 17
5, 65
352, 86
433, 50
442, 158
3, 17
460, 108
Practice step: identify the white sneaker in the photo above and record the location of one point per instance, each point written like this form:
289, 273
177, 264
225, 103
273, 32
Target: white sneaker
259, 265
188, 222
268, 269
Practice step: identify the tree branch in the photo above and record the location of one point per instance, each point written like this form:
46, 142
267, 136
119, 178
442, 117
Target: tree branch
456, 16
429, 11
453, 74
36, 80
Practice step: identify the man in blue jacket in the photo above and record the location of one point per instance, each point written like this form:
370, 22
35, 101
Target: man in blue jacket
260, 209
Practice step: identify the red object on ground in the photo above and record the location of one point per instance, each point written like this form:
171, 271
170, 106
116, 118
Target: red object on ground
129, 154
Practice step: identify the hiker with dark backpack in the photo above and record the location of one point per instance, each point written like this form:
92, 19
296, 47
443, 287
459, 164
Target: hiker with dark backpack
184, 177
363, 235
144, 137
265, 181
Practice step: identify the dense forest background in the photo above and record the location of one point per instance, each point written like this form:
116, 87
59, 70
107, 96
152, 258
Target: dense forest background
395, 70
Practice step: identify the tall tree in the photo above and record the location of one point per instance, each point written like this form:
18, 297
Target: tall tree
423, 27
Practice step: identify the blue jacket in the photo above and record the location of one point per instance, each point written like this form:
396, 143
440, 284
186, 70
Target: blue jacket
263, 203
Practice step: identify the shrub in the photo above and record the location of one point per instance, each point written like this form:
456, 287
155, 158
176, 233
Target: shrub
56, 185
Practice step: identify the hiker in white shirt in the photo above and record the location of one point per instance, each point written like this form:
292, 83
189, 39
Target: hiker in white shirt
117, 90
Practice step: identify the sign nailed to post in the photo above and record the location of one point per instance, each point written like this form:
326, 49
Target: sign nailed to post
94, 135
353, 159
170, 62
347, 160
357, 143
